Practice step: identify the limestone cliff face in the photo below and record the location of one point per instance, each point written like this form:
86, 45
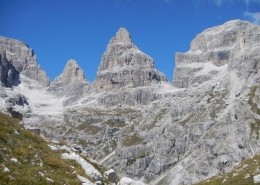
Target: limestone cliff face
17, 58
234, 45
123, 64
9, 76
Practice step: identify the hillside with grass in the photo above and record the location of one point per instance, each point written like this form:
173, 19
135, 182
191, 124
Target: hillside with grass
25, 158
246, 173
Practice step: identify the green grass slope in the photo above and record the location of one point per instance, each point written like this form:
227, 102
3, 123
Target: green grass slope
241, 175
25, 158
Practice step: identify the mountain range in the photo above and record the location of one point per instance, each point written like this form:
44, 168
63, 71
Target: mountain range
132, 120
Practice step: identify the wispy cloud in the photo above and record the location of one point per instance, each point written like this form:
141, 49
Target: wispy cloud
253, 16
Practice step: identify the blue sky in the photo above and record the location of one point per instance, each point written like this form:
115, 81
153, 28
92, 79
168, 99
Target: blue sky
58, 30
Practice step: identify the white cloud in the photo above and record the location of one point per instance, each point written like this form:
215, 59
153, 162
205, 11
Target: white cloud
253, 16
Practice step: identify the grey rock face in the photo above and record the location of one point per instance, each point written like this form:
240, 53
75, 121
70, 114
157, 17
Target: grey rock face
9, 76
123, 64
72, 82
21, 59
129, 97
233, 45
72, 72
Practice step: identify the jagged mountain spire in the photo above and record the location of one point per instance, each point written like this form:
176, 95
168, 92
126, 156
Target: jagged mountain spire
123, 64
122, 35
71, 82
71, 72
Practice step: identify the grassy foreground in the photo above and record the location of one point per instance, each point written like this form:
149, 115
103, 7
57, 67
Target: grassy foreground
25, 158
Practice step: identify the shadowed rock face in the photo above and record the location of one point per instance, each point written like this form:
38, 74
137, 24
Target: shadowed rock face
16, 58
9, 76
123, 64
234, 45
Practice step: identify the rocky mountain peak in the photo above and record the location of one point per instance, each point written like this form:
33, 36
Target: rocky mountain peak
71, 82
217, 48
17, 58
123, 64
122, 36
72, 72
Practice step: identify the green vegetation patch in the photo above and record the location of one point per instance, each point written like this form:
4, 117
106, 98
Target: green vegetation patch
113, 123
132, 140
240, 175
88, 128
35, 160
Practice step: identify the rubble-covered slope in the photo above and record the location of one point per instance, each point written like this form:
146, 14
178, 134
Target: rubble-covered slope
26, 158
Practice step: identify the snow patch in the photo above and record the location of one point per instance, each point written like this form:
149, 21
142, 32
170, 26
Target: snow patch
88, 168
39, 99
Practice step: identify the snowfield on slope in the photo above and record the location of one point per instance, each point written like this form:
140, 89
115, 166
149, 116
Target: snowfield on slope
40, 100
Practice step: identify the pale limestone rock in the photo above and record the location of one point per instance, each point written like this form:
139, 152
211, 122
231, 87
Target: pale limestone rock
123, 64
72, 72
16, 58
257, 179
234, 45
71, 83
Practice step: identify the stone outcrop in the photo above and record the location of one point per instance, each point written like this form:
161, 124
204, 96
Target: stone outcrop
9, 76
71, 73
123, 64
17, 58
234, 45
72, 82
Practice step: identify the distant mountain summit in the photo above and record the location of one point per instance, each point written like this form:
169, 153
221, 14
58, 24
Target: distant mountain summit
71, 83
122, 36
72, 72
123, 64
234, 44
